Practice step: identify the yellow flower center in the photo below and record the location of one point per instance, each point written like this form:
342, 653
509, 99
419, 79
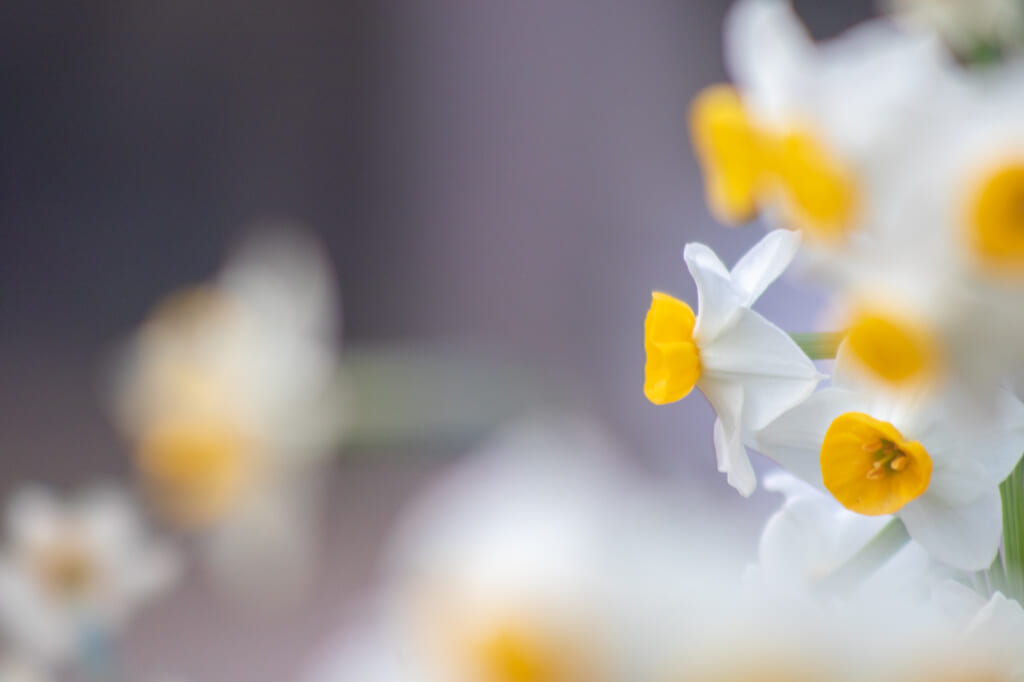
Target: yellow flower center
514, 652
65, 569
822, 197
673, 359
870, 468
728, 148
742, 162
195, 468
996, 224
896, 350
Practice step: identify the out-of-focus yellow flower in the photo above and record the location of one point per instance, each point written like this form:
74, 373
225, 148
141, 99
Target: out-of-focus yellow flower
728, 145
996, 224
747, 165
231, 396
893, 347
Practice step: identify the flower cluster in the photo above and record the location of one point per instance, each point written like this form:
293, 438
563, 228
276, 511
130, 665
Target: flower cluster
230, 399
548, 558
893, 173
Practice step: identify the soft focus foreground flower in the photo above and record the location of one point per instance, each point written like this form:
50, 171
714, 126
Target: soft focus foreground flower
70, 569
547, 559
538, 562
879, 452
19, 669
232, 397
749, 369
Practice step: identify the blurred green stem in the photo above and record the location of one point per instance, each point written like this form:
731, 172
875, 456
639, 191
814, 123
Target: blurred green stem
818, 345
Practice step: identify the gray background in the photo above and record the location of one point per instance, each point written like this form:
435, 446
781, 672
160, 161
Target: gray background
511, 176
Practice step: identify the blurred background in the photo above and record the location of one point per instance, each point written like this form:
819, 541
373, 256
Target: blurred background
501, 181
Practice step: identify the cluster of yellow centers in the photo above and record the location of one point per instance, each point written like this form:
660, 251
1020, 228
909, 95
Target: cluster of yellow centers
673, 359
870, 468
746, 165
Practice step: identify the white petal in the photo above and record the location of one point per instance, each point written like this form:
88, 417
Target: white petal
794, 439
33, 516
774, 372
727, 399
717, 301
965, 536
999, 624
763, 264
733, 459
767, 51
971, 459
282, 274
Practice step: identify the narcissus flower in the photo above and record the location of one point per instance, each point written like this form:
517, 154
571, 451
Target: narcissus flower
808, 131
878, 452
231, 396
750, 370
69, 568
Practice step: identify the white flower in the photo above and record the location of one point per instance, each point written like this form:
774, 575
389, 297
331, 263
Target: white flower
20, 669
76, 567
750, 370
815, 134
546, 558
966, 24
232, 398
880, 452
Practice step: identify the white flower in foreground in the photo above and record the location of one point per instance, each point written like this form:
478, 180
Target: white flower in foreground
547, 559
70, 568
750, 370
538, 562
232, 398
19, 669
879, 452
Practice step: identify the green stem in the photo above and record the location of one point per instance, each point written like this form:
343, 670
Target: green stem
996, 575
869, 559
818, 345
1012, 492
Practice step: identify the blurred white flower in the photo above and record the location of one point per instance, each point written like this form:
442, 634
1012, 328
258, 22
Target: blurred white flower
69, 569
750, 370
879, 453
20, 669
232, 398
546, 559
967, 25
814, 134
